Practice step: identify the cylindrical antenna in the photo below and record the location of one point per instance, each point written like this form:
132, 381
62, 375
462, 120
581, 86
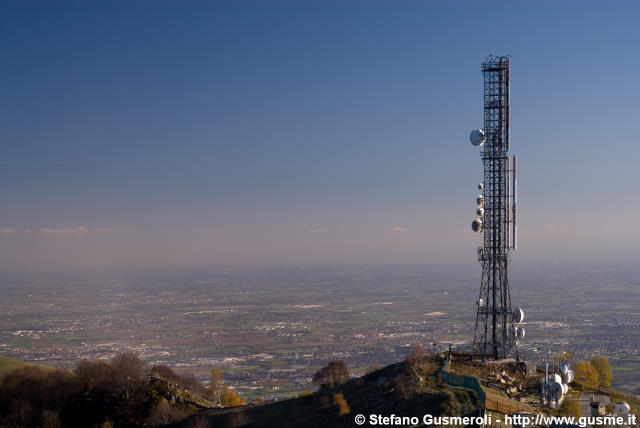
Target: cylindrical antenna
508, 126
508, 219
514, 210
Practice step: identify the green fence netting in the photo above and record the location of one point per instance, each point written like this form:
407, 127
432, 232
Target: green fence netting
455, 379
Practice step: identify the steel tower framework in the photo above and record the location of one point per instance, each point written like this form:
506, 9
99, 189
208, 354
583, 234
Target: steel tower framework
495, 333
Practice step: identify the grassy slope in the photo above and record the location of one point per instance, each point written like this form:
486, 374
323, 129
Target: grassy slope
9, 364
373, 393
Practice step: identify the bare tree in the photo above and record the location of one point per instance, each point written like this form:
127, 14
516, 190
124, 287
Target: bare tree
91, 374
403, 386
333, 374
165, 372
164, 414
128, 374
131, 389
217, 386
415, 361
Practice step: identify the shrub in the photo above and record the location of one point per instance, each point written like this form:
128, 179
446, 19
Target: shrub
341, 402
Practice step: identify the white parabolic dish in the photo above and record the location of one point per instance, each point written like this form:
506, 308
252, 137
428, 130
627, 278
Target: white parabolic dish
477, 137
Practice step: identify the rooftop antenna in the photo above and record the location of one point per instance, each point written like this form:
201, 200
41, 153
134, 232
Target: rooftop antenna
496, 331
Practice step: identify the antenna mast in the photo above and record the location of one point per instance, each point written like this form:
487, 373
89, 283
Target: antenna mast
496, 334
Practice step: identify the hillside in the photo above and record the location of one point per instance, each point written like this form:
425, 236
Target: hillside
500, 387
387, 391
9, 364
126, 392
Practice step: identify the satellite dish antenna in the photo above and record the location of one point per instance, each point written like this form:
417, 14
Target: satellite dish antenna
518, 315
476, 226
477, 137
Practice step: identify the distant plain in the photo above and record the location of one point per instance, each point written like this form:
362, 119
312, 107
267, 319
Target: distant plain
269, 329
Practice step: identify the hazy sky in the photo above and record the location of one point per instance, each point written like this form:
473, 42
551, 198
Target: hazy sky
204, 133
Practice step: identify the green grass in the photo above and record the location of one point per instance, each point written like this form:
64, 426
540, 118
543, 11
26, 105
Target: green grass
9, 364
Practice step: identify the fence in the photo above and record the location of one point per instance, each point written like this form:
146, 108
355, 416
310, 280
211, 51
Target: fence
497, 406
470, 382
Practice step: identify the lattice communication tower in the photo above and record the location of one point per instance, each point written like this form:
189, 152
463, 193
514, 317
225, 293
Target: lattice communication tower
497, 330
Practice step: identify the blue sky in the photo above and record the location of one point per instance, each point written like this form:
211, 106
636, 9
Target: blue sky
205, 133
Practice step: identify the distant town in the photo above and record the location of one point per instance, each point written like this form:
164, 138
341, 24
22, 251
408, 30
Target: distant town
268, 330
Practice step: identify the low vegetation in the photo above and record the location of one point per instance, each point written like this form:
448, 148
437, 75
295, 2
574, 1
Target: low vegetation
9, 364
411, 387
126, 392
121, 393
570, 407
